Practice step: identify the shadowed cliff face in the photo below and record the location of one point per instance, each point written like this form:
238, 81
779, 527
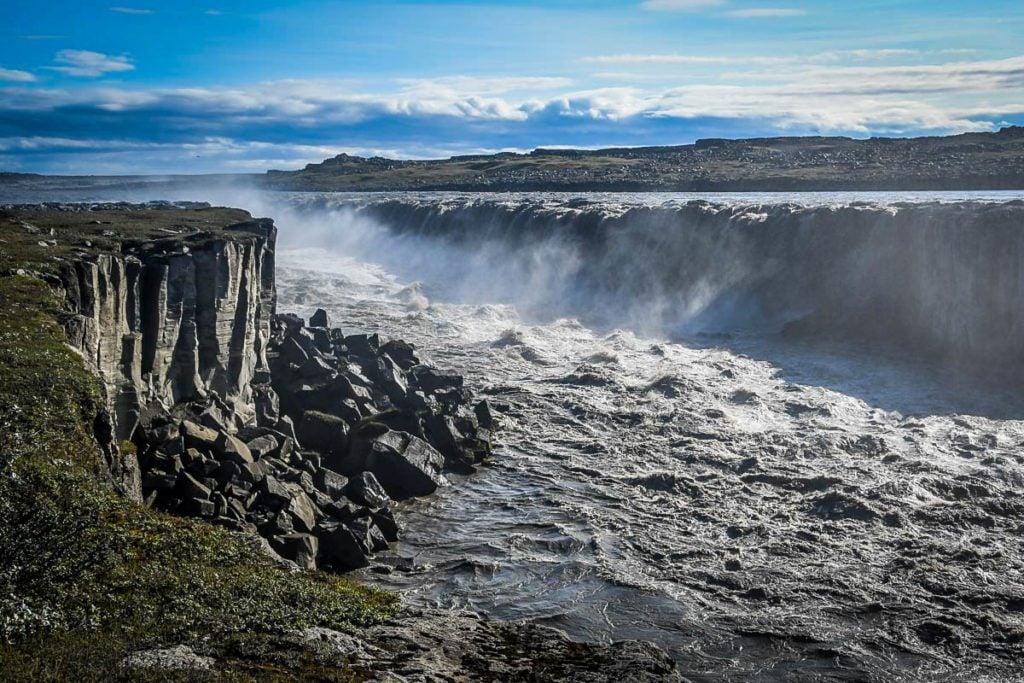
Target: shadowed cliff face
172, 326
164, 304
939, 280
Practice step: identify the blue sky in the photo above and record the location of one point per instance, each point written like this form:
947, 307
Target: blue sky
232, 85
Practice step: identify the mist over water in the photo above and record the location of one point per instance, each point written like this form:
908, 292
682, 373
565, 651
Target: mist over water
818, 505
778, 435
931, 286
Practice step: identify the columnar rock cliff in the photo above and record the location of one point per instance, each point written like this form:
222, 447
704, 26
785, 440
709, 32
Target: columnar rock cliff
170, 321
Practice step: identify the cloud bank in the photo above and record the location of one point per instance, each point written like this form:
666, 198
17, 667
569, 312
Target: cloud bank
15, 76
285, 124
87, 64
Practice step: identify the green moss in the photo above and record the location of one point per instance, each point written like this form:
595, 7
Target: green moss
85, 575
37, 238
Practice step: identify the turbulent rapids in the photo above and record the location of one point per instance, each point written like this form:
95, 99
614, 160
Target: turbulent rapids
768, 437
943, 280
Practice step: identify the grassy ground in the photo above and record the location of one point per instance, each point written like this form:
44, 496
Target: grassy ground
36, 238
86, 577
968, 161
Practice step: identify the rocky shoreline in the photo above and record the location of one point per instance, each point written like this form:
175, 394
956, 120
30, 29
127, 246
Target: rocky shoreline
277, 428
344, 425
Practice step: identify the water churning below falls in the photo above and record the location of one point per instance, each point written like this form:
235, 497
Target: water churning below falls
765, 507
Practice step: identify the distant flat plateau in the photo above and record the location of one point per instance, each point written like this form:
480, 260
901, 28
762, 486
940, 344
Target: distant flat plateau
970, 161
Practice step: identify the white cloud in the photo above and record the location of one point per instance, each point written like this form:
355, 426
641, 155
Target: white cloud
464, 113
131, 10
854, 95
874, 54
89, 64
16, 76
767, 12
214, 12
1001, 76
680, 5
879, 54
483, 85
681, 59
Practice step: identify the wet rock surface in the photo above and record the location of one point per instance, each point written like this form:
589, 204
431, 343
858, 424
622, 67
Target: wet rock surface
321, 493
756, 526
437, 645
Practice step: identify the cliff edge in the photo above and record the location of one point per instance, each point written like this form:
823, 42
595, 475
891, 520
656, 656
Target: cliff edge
172, 310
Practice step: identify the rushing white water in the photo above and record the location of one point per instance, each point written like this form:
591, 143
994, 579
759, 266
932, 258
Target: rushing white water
839, 503
761, 506
943, 280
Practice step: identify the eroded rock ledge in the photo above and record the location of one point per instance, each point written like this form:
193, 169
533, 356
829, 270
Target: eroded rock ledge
344, 425
285, 428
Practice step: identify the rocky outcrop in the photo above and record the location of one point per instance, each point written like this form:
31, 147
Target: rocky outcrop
417, 646
436, 645
173, 320
183, 334
970, 161
257, 422
374, 424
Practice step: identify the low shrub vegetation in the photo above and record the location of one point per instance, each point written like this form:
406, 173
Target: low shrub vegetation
87, 577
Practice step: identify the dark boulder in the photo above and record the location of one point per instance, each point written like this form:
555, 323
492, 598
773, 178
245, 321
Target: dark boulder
255, 472
300, 548
227, 472
197, 436
403, 353
363, 344
320, 319
323, 432
289, 323
385, 520
364, 489
322, 341
274, 493
453, 399
316, 369
331, 483
406, 470
287, 427
360, 442
302, 510
262, 446
278, 524
190, 487
214, 419
342, 549
444, 434
335, 396
159, 429
292, 352
228, 447
400, 421
155, 480
367, 532
485, 414
166, 463
268, 406
198, 507
391, 380
432, 380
